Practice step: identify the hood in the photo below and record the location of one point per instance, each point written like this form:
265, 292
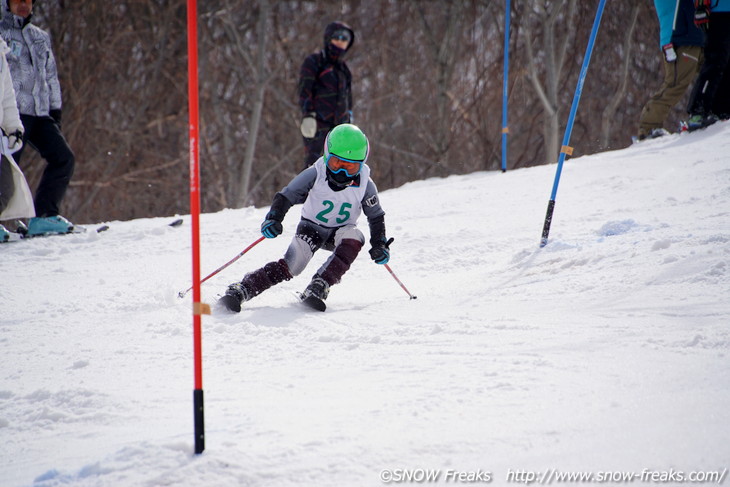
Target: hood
332, 51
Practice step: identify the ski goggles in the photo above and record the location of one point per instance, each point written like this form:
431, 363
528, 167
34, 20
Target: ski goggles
341, 35
338, 164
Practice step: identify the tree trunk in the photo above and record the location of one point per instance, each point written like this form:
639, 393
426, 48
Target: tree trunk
258, 105
609, 113
548, 91
442, 47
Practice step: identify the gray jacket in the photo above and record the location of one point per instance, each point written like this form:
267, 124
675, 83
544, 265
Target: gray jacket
32, 65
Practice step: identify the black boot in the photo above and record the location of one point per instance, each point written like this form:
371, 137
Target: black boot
236, 294
254, 283
315, 293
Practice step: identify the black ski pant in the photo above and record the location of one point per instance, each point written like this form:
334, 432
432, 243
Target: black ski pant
314, 147
717, 55
721, 102
45, 136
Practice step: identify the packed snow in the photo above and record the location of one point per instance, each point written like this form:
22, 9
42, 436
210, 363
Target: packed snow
605, 351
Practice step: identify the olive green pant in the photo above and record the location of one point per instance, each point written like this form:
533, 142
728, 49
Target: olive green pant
678, 75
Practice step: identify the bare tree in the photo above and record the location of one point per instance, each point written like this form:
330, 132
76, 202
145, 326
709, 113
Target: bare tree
443, 49
261, 80
550, 21
426, 88
609, 113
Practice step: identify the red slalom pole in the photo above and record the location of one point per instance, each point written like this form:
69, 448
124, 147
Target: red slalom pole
182, 294
198, 307
398, 281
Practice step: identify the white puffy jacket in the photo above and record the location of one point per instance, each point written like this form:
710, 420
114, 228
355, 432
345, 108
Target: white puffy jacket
9, 116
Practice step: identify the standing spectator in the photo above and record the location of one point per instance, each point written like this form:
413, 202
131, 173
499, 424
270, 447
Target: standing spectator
716, 20
681, 42
12, 182
38, 94
325, 92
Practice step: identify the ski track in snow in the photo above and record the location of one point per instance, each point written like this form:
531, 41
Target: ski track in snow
605, 350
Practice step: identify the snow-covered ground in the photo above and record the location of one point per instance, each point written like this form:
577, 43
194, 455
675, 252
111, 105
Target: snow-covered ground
606, 351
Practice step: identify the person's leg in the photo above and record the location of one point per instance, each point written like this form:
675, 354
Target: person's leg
721, 101
314, 147
308, 239
262, 279
47, 139
719, 92
717, 53
254, 283
677, 77
347, 242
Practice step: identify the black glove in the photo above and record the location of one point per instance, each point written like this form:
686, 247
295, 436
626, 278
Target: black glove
702, 14
380, 252
271, 227
56, 116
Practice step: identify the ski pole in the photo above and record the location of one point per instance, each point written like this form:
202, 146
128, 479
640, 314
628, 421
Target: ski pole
182, 294
398, 281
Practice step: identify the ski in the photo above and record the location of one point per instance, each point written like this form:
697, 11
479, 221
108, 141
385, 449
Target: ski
311, 302
12, 237
17, 237
230, 303
74, 229
82, 229
22, 231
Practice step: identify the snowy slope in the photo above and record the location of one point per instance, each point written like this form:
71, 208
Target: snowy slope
605, 351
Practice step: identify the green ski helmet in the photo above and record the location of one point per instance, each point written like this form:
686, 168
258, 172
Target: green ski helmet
345, 142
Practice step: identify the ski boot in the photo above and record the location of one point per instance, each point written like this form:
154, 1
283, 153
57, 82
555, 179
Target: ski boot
652, 134
235, 295
4, 234
49, 225
315, 293
697, 122
21, 228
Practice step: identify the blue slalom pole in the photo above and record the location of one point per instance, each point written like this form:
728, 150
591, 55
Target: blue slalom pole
505, 79
566, 149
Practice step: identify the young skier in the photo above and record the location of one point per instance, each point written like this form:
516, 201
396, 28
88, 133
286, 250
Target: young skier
334, 191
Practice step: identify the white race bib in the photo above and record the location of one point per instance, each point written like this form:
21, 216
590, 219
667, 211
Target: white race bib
334, 208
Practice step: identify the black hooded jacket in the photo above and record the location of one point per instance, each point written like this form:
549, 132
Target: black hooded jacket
325, 82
